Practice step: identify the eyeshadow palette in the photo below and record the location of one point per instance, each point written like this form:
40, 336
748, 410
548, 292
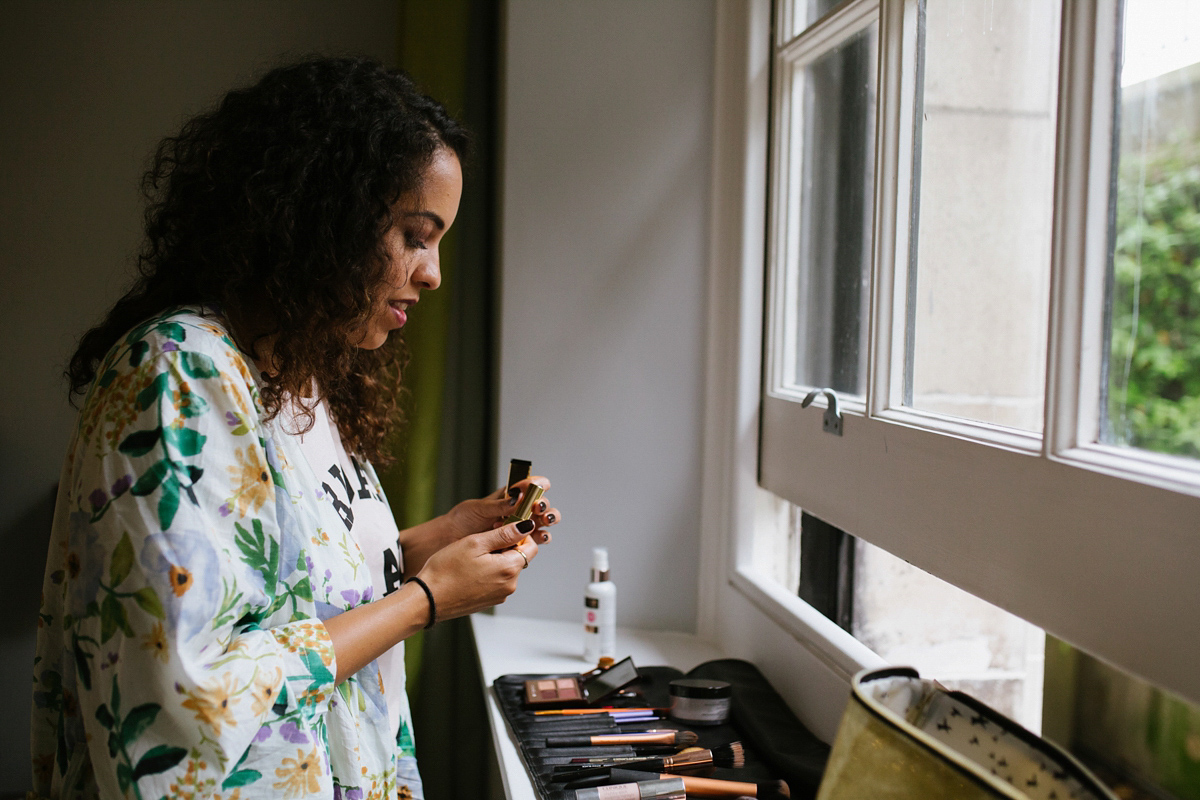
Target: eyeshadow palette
553, 691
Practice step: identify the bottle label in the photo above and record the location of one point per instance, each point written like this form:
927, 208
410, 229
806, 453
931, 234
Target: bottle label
622, 791
591, 602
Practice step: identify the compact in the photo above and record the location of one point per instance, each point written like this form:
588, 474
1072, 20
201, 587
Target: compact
552, 690
699, 701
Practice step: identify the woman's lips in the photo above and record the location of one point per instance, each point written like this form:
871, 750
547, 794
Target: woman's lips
398, 314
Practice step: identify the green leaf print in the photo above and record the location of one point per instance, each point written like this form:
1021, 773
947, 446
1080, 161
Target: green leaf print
147, 598
303, 590
243, 777
124, 776
138, 352
81, 663
158, 759
139, 443
107, 378
239, 776
316, 668
259, 552
149, 396
115, 699
138, 720
187, 441
199, 365
113, 618
122, 561
104, 717
150, 479
168, 504
172, 330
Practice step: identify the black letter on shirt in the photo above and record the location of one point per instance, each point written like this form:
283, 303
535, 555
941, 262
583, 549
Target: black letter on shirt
391, 572
344, 511
363, 491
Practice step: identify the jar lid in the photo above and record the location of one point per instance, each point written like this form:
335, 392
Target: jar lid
701, 688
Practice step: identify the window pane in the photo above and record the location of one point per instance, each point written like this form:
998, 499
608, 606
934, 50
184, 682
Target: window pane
835, 99
806, 12
1154, 361
979, 275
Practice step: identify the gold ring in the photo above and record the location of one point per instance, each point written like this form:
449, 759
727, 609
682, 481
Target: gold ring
524, 557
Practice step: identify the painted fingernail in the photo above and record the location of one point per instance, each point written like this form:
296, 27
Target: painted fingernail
513, 494
550, 519
541, 506
525, 526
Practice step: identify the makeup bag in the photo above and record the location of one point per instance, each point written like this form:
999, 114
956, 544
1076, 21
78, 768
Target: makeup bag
777, 745
904, 738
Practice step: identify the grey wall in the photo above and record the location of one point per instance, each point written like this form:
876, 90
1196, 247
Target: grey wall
606, 172
86, 91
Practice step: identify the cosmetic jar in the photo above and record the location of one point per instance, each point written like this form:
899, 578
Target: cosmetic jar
699, 701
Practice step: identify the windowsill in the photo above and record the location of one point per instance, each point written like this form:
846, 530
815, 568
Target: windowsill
508, 645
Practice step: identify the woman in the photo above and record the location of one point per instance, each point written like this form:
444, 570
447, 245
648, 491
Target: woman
227, 591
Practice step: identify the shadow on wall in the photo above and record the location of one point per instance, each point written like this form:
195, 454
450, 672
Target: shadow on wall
23, 545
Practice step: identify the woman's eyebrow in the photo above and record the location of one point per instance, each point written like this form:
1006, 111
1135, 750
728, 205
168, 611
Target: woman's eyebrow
441, 225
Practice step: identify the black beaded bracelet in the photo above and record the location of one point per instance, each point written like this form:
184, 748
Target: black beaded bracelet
429, 594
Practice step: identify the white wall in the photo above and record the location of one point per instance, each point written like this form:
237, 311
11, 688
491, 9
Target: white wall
86, 91
607, 121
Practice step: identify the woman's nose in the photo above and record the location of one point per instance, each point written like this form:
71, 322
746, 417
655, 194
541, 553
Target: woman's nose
428, 274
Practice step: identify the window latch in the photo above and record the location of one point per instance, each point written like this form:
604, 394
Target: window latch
832, 422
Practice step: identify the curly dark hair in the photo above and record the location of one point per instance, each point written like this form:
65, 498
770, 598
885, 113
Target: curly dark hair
274, 206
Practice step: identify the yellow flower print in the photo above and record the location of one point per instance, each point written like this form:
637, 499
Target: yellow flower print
301, 775
181, 398
156, 642
214, 703
181, 579
266, 685
403, 792
251, 479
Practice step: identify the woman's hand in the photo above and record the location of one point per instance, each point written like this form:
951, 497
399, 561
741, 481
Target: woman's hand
480, 570
476, 572
487, 512
420, 542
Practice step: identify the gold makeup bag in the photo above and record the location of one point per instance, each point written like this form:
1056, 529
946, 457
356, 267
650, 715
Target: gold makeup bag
904, 738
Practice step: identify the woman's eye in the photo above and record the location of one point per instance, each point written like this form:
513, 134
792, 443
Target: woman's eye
415, 242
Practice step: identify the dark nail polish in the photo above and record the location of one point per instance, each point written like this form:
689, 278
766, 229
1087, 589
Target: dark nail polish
513, 494
525, 526
541, 506
550, 519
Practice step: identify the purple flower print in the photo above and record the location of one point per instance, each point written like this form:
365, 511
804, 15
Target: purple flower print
170, 347
291, 733
351, 596
231, 419
98, 498
263, 734
225, 510
368, 593
121, 485
310, 564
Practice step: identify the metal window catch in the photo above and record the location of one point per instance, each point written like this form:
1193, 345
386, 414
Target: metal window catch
832, 422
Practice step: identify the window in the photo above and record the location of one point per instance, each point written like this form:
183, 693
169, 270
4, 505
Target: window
939, 253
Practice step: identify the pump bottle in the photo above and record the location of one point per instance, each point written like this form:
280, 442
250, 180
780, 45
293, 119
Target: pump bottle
599, 611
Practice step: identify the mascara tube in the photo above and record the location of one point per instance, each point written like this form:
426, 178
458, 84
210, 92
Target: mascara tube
667, 789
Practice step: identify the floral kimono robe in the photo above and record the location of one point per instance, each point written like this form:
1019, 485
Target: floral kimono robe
180, 650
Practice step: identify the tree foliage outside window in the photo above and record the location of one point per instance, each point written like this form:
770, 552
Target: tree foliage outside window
1154, 368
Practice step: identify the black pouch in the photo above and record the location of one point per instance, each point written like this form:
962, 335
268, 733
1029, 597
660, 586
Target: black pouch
777, 745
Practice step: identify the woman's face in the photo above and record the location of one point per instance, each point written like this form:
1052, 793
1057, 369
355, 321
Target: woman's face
412, 246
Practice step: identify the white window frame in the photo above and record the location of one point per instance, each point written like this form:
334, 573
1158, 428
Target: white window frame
1098, 545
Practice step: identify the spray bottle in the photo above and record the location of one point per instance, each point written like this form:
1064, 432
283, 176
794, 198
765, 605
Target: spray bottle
599, 611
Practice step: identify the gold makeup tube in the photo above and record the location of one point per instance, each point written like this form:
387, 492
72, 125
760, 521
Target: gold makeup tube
525, 509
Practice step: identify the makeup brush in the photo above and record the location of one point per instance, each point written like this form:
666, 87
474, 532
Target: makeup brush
710, 787
689, 762
671, 789
678, 739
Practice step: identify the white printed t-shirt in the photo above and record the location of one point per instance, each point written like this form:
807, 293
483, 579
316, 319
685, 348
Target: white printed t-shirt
352, 487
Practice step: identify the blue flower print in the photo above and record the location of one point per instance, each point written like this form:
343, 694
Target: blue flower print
183, 567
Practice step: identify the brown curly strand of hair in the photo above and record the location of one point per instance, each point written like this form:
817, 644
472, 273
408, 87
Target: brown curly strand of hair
274, 206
